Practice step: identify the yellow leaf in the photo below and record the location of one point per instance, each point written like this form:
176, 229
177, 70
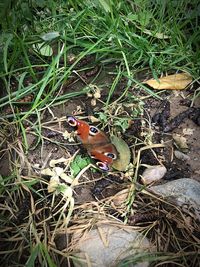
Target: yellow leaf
171, 82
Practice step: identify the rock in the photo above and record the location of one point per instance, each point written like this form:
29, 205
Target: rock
180, 155
153, 173
107, 245
182, 191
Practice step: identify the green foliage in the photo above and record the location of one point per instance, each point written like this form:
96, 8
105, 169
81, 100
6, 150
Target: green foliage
160, 35
78, 164
122, 123
38, 251
103, 117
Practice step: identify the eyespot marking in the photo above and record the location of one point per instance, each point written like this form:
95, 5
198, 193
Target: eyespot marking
93, 130
72, 121
103, 166
110, 155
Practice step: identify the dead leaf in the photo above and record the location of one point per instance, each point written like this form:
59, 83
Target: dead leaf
180, 141
97, 94
56, 173
53, 184
47, 172
68, 136
67, 192
171, 82
188, 131
93, 119
53, 162
93, 102
94, 93
119, 199
124, 156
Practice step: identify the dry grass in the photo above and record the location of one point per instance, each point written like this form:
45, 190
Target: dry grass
37, 226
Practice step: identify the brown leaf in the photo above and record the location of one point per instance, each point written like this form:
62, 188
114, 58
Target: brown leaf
119, 199
171, 82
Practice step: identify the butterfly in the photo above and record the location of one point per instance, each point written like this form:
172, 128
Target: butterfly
96, 142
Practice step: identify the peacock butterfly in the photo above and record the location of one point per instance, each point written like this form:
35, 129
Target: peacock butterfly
96, 142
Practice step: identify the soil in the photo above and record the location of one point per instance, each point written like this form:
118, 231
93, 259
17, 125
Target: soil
54, 146
147, 120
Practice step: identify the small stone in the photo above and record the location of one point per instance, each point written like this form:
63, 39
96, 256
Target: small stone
181, 191
180, 155
153, 173
108, 245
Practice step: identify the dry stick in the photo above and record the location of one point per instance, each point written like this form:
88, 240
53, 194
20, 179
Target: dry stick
132, 188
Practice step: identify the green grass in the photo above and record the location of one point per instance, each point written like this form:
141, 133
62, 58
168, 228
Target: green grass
126, 37
128, 33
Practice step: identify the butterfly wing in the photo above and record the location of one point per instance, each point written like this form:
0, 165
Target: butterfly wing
96, 142
81, 128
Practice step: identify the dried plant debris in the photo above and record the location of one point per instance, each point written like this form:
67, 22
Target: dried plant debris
41, 206
175, 122
101, 185
180, 141
162, 115
170, 229
171, 82
145, 217
195, 116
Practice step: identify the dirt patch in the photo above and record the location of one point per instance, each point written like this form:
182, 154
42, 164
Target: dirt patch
52, 145
135, 118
